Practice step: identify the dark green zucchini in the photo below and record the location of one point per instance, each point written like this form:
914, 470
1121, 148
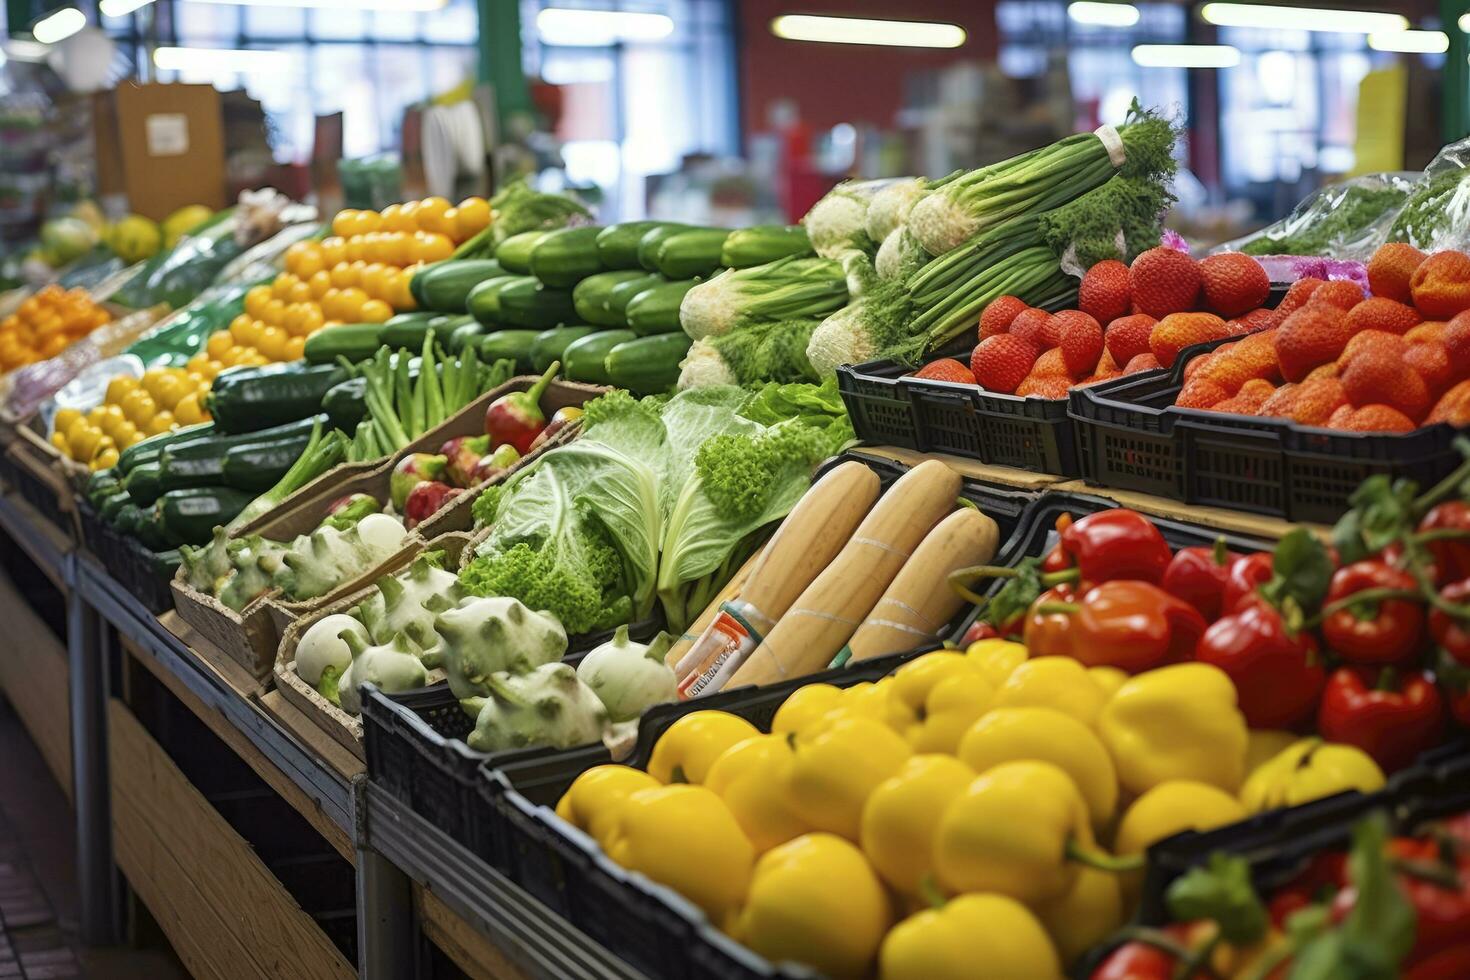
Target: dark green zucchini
201, 463
656, 310
617, 245
444, 287
584, 359
153, 446
190, 516
511, 345
526, 303
258, 466
143, 483
648, 365
550, 345
251, 399
354, 341
566, 256
591, 296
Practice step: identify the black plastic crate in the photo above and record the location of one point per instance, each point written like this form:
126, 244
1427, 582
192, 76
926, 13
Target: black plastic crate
1130, 436
1028, 433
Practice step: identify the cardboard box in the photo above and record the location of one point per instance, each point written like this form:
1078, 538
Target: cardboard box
161, 145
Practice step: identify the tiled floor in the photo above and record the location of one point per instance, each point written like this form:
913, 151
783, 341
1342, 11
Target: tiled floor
38, 891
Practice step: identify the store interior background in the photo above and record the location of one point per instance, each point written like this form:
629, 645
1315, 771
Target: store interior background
697, 110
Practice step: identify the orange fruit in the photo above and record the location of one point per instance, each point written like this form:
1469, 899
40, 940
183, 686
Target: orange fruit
334, 251
431, 247
375, 311
430, 215
285, 282
344, 225
256, 299
471, 217
344, 275
319, 283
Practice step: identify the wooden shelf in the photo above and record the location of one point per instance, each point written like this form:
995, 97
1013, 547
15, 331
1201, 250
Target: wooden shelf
34, 676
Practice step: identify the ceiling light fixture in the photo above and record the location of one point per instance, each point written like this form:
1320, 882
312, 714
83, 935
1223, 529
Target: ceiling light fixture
121, 8
1095, 14
59, 26
1186, 56
1410, 42
1267, 17
219, 59
405, 6
861, 30
600, 28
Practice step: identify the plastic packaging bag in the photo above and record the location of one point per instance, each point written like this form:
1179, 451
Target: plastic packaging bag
1436, 215
1340, 221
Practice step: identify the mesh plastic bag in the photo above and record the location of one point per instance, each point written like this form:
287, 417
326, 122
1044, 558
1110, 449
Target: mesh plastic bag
1436, 215
1341, 221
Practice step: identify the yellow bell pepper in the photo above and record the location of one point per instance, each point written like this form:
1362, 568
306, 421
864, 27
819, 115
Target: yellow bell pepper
686, 838
942, 694
805, 706
997, 658
592, 802
1052, 682
1086, 915
1172, 807
1309, 770
834, 767
875, 701
1176, 722
983, 935
902, 813
1046, 735
684, 753
816, 900
1018, 830
744, 778
1264, 744
1108, 679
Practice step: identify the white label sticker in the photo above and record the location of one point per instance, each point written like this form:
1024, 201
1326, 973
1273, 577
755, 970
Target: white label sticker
168, 134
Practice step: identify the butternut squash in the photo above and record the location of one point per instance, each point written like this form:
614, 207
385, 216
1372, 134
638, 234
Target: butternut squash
919, 603
831, 609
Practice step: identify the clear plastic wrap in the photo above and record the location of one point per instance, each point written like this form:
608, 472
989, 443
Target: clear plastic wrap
1436, 215
1341, 221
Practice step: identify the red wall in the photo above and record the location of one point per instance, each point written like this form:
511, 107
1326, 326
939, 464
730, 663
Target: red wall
854, 83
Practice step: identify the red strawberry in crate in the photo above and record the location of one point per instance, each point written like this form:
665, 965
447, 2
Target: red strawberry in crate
1391, 269
1180, 330
1233, 283
1297, 295
1431, 362
1254, 322
1441, 285
1082, 342
1280, 404
1453, 406
1378, 418
997, 317
1200, 393
1049, 386
1378, 376
1038, 328
1391, 343
945, 369
1104, 293
1316, 400
1311, 336
1339, 293
1253, 395
1001, 363
1051, 364
1164, 281
1127, 336
1141, 362
1377, 313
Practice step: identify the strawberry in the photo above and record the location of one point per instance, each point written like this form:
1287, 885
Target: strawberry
1382, 314
1453, 406
1316, 401
1051, 386
1228, 372
1106, 364
1254, 321
1104, 293
1379, 418
1297, 295
1340, 418
1321, 371
1002, 362
1141, 362
1234, 406
945, 369
1164, 281
1038, 328
998, 316
1179, 330
1441, 285
1233, 283
1280, 403
1127, 336
1377, 376
1200, 393
1339, 293
1051, 364
1431, 361
1195, 365
1082, 342
1391, 344
1312, 335
1429, 330
1390, 270
1253, 394
1456, 340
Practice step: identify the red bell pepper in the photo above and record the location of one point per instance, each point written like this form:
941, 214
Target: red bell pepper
1376, 628
1131, 625
1197, 575
978, 631
1391, 717
1447, 527
1242, 578
1156, 958
1050, 634
1278, 675
1454, 685
1116, 544
1447, 964
1450, 632
1441, 912
1057, 558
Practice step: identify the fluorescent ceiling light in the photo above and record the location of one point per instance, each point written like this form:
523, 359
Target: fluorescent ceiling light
218, 59
860, 30
1096, 14
18, 49
1301, 18
598, 28
59, 26
1186, 56
1464, 23
412, 6
1410, 42
121, 8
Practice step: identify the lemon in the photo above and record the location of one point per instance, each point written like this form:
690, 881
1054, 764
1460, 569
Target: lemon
135, 238
183, 221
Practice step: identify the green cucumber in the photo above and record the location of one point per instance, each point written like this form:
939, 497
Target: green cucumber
760, 244
551, 345
201, 462
512, 345
691, 253
346, 404
583, 359
444, 287
258, 466
165, 563
143, 483
566, 256
656, 310
152, 533
514, 254
461, 336
622, 294
190, 516
653, 239
127, 518
527, 303
152, 447
617, 245
103, 483
648, 365
111, 504
354, 341
250, 399
590, 297
410, 336
484, 300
